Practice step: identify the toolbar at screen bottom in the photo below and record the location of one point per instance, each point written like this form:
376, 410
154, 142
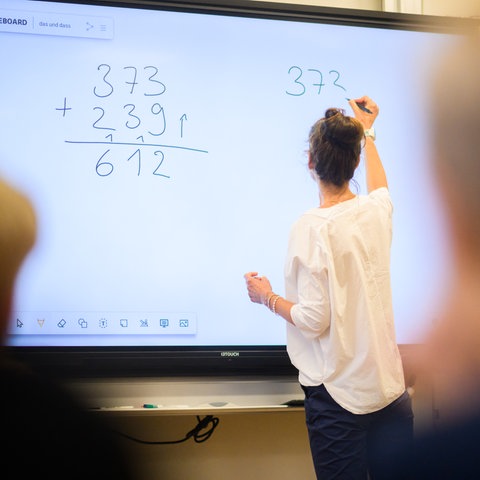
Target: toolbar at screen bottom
108, 323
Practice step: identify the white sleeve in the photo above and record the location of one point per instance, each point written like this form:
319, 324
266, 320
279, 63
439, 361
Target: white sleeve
307, 282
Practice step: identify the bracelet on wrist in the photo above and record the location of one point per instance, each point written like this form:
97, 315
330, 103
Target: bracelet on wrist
274, 304
266, 301
271, 302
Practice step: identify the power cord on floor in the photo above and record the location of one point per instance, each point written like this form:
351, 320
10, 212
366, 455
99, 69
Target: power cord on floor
196, 433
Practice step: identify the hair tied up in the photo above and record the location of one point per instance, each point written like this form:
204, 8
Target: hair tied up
330, 112
329, 129
339, 129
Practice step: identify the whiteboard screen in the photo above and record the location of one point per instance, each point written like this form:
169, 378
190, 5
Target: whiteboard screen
165, 152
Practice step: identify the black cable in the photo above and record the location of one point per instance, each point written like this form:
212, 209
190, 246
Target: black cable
199, 437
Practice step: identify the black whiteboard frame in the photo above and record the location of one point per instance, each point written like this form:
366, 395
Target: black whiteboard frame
227, 360
299, 12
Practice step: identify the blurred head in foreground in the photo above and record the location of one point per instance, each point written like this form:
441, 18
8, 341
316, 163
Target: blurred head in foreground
454, 343
17, 237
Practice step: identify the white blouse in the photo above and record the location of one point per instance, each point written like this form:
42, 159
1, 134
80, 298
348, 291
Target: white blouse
337, 273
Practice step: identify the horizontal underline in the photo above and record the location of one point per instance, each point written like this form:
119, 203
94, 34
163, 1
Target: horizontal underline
139, 145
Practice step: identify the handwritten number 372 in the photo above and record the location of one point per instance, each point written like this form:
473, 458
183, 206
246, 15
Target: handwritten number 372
303, 81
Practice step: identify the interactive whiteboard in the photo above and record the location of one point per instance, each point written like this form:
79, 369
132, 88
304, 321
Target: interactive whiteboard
165, 152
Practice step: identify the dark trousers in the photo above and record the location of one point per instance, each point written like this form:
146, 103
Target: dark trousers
346, 446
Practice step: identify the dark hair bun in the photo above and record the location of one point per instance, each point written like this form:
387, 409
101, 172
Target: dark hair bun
330, 112
340, 129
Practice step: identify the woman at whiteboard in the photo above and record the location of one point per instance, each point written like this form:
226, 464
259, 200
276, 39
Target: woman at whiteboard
338, 304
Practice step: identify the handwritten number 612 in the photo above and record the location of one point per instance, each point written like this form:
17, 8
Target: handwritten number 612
304, 80
104, 167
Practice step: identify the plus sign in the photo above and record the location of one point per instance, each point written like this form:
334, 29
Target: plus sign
64, 108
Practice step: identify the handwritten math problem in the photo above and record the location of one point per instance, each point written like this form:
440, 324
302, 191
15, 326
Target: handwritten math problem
130, 130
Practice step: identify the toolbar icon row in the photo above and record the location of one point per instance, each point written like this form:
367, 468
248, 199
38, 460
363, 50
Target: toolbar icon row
104, 323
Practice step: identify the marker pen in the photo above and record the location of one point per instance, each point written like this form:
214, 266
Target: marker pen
361, 107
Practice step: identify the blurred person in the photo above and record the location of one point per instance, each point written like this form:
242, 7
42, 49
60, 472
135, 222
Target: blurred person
46, 431
338, 304
450, 359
